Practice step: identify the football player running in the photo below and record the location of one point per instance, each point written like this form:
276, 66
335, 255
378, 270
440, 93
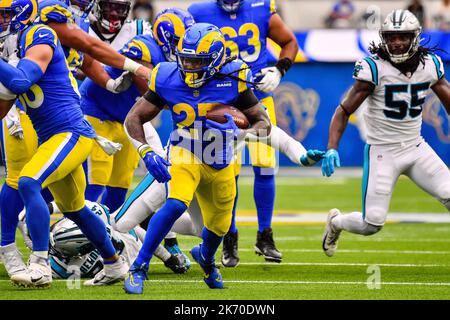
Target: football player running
246, 25
65, 140
191, 87
395, 82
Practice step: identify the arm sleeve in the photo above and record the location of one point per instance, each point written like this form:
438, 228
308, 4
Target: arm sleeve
246, 100
19, 79
366, 70
59, 13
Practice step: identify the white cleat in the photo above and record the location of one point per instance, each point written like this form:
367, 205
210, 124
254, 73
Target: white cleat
12, 259
37, 275
110, 274
330, 236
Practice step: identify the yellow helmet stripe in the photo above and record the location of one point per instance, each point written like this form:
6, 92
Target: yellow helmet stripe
55, 8
178, 25
146, 56
206, 42
6, 3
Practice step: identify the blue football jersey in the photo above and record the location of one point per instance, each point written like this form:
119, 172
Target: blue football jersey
107, 106
246, 31
59, 12
53, 103
189, 106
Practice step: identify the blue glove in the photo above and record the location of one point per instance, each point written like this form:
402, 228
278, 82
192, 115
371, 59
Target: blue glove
228, 126
311, 157
156, 165
330, 160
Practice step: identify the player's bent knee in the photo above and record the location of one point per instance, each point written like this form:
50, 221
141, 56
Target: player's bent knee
176, 205
29, 186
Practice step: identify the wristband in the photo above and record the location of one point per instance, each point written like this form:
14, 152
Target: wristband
283, 65
131, 65
144, 149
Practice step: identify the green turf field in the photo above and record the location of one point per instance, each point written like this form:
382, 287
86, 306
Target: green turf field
413, 259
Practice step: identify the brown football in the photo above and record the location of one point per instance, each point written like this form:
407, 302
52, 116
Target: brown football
217, 114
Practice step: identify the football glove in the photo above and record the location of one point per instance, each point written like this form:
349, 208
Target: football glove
156, 165
330, 161
120, 84
108, 146
311, 157
271, 79
13, 123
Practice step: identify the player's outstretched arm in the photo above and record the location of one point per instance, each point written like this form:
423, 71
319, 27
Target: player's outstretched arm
72, 36
442, 90
356, 96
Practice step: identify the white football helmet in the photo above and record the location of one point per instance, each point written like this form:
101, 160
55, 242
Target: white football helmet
401, 21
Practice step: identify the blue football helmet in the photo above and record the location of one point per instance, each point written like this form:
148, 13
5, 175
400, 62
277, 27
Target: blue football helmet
16, 15
200, 54
169, 27
231, 6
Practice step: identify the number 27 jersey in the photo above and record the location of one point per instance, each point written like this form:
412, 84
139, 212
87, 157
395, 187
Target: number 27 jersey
394, 109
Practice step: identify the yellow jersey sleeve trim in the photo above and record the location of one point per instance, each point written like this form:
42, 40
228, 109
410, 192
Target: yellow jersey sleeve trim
152, 85
30, 35
243, 74
55, 8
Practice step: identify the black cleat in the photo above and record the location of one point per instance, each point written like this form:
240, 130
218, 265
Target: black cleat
230, 255
265, 246
177, 264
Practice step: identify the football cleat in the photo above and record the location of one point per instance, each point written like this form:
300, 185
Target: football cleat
212, 276
230, 256
12, 259
37, 275
330, 236
110, 274
177, 263
265, 246
134, 282
171, 245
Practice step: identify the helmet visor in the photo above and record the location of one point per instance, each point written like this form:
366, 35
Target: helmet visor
114, 10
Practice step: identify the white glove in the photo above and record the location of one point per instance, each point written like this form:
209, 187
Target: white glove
13, 123
120, 84
271, 79
108, 146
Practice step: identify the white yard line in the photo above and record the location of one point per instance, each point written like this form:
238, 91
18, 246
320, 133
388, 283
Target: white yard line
357, 251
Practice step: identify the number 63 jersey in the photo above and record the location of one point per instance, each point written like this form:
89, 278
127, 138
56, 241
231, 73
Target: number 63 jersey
393, 111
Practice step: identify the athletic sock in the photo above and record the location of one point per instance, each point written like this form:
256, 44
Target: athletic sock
37, 214
114, 198
158, 227
170, 242
264, 195
233, 227
354, 223
94, 229
93, 192
211, 243
11, 205
162, 253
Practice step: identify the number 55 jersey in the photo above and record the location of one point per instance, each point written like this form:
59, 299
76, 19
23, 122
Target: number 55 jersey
393, 112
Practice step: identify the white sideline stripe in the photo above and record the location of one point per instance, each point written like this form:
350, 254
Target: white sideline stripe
355, 239
442, 284
310, 282
321, 217
342, 264
360, 251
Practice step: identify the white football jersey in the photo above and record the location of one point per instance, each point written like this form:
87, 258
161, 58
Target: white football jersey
393, 112
130, 29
